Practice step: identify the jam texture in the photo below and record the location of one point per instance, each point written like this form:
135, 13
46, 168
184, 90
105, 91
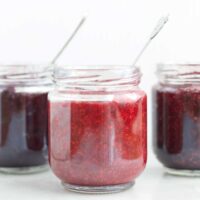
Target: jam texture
177, 126
23, 128
97, 143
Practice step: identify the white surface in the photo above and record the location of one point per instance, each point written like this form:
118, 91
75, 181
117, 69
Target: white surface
153, 184
33, 31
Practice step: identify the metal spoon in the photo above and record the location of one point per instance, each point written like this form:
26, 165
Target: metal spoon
156, 30
69, 40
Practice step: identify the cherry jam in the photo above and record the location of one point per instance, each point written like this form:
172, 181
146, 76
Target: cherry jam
23, 118
24, 125
176, 106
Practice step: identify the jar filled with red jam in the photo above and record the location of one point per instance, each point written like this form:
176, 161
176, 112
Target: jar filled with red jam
23, 118
176, 104
97, 128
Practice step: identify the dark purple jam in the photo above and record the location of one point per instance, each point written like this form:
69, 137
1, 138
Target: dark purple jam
177, 126
23, 128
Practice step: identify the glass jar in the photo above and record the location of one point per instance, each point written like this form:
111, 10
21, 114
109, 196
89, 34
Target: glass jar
176, 105
97, 122
23, 118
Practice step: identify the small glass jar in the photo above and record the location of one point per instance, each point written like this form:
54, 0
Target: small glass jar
176, 105
24, 118
97, 122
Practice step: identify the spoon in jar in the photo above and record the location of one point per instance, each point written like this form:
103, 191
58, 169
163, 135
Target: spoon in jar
69, 40
161, 23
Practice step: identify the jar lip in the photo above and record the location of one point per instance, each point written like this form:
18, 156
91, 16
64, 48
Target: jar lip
25, 74
26, 66
178, 68
179, 73
179, 64
98, 67
59, 70
18, 64
96, 77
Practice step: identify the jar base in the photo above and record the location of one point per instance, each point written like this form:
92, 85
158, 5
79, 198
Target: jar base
98, 189
183, 172
24, 170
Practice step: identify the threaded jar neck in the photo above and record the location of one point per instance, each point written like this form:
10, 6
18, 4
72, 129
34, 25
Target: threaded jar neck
178, 74
25, 75
96, 78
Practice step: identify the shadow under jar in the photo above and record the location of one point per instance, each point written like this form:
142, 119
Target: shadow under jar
97, 128
176, 105
23, 118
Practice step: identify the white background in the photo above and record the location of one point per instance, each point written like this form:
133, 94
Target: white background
32, 31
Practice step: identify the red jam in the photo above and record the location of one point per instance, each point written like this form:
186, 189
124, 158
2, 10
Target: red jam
97, 143
177, 126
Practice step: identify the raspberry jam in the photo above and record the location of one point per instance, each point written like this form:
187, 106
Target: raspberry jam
23, 118
97, 141
177, 120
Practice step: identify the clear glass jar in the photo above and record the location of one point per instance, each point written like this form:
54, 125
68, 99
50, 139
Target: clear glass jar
24, 117
176, 105
97, 122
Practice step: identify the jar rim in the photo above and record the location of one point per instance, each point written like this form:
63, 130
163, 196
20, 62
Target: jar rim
175, 64
92, 67
25, 74
178, 73
96, 77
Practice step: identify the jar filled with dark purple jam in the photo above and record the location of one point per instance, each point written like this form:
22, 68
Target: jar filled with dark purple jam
23, 117
176, 107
